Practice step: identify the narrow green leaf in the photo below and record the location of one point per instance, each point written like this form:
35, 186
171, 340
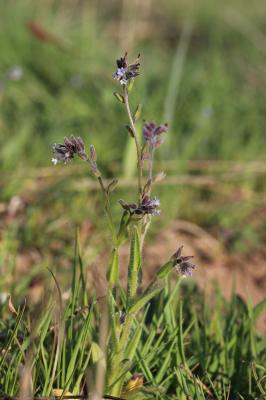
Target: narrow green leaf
137, 113
119, 97
123, 228
165, 269
166, 365
113, 270
133, 343
78, 347
115, 325
134, 264
112, 185
76, 389
258, 309
181, 337
145, 367
13, 335
144, 300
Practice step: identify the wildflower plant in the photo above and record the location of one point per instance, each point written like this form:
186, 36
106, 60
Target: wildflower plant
134, 223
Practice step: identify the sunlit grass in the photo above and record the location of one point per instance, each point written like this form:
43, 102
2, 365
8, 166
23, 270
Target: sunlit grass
181, 344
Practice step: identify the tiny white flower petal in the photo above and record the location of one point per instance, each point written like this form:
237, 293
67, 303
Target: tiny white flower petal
54, 161
156, 202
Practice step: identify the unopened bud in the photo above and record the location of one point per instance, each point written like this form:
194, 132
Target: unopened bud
93, 153
130, 130
137, 113
112, 185
159, 177
11, 307
119, 97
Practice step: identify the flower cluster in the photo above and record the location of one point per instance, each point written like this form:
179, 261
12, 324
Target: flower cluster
183, 267
147, 206
66, 151
153, 134
126, 71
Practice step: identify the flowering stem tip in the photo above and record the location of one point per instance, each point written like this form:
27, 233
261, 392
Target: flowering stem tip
125, 71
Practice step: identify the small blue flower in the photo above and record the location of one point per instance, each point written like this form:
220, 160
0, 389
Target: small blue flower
126, 71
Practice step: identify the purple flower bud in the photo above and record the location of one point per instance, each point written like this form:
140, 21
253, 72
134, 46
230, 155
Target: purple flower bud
183, 267
153, 134
93, 153
126, 71
147, 206
66, 151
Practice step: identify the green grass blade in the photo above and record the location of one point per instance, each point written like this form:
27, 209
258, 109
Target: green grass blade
134, 264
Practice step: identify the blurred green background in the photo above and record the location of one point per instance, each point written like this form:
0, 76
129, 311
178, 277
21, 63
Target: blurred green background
203, 70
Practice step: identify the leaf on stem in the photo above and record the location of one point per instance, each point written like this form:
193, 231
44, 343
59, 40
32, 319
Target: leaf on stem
112, 185
113, 270
134, 263
165, 269
122, 233
140, 303
137, 113
119, 97
128, 127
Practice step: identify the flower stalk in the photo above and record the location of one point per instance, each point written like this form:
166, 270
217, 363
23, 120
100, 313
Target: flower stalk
135, 137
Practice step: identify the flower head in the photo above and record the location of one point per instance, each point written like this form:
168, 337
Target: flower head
66, 151
181, 263
153, 134
126, 71
147, 206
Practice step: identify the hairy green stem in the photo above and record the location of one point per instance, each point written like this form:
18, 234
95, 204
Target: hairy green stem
116, 362
108, 210
134, 132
